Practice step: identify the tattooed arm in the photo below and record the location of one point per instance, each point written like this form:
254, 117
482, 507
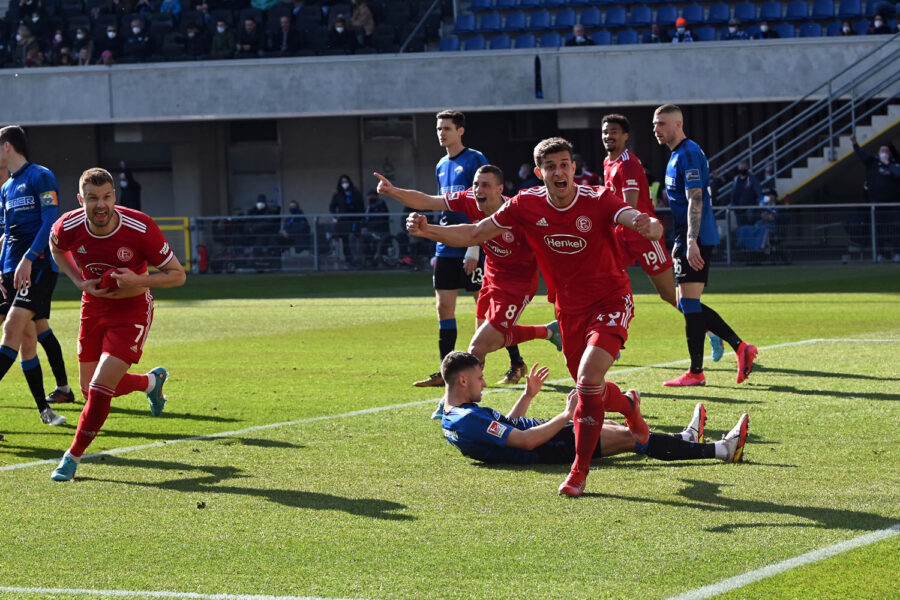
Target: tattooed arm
694, 218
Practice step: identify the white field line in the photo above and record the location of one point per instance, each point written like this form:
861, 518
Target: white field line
366, 411
739, 581
149, 594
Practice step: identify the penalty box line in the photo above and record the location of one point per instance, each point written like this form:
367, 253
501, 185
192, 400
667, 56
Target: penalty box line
377, 409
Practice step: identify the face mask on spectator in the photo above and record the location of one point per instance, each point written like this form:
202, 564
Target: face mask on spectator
123, 183
579, 38
767, 199
345, 185
260, 205
339, 29
110, 34
220, 29
192, 34
764, 28
79, 36
846, 29
732, 29
36, 19
879, 23
135, 30
680, 30
885, 157
57, 38
18, 37
294, 210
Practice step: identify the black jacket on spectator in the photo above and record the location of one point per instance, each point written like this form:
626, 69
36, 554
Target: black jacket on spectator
253, 39
198, 45
137, 45
345, 41
285, 44
882, 180
104, 43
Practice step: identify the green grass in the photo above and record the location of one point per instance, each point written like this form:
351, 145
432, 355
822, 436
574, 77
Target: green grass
380, 506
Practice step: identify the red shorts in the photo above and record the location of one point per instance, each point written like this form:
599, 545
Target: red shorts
501, 309
652, 256
119, 330
605, 326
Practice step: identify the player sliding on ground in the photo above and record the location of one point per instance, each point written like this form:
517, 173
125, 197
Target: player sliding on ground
104, 249
484, 434
570, 229
510, 270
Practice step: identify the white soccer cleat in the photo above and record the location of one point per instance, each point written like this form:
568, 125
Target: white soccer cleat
697, 424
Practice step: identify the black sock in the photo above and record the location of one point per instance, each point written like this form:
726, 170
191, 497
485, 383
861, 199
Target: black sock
7, 358
34, 376
695, 328
514, 357
718, 326
446, 336
669, 447
54, 357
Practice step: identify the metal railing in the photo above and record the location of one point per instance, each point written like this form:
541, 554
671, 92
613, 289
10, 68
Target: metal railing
749, 235
814, 123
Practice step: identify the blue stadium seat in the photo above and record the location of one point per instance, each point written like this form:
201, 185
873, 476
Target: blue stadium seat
564, 19
752, 31
850, 9
602, 37
693, 14
529, 4
666, 15
580, 2
550, 39
811, 29
449, 44
785, 30
798, 10
515, 21
465, 23
861, 27
490, 22
823, 9
705, 34
834, 29
591, 17
525, 40
718, 14
501, 42
476, 42
480, 5
770, 11
878, 6
505, 5
641, 16
627, 36
615, 17
539, 20
745, 12
553, 3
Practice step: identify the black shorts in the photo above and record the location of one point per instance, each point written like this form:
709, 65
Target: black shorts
36, 298
684, 273
449, 274
560, 449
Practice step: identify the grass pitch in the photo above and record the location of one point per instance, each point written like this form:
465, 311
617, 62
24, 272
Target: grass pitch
378, 505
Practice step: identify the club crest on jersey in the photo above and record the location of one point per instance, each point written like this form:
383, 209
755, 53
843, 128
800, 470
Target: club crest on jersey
496, 429
124, 254
564, 243
21, 187
508, 237
458, 169
583, 224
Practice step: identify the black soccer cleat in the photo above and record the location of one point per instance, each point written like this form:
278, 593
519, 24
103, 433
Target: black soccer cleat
58, 396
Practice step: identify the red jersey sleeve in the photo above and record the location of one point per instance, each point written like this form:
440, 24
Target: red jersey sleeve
154, 245
629, 175
456, 201
611, 205
55, 233
506, 216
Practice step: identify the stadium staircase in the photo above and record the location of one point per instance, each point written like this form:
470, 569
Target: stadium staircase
811, 136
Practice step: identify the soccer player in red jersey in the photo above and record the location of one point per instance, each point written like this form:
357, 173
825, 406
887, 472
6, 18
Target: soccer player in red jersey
570, 229
510, 270
105, 249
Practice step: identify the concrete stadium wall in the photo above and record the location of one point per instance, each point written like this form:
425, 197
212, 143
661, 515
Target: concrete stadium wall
712, 72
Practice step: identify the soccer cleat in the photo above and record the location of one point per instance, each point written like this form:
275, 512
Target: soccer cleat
638, 426
687, 379
156, 397
58, 396
698, 422
515, 373
65, 471
746, 354
718, 348
48, 417
439, 411
734, 439
573, 486
555, 335
433, 380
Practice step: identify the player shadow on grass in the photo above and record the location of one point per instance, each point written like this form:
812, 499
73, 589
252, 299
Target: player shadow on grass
828, 374
706, 495
209, 484
840, 394
695, 395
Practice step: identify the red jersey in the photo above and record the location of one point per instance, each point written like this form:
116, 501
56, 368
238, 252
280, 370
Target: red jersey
509, 261
575, 245
134, 243
586, 178
624, 174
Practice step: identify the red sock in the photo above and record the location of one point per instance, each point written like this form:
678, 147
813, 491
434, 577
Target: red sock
616, 401
92, 418
525, 333
131, 383
589, 416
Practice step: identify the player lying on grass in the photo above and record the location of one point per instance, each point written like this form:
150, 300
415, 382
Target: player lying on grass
487, 435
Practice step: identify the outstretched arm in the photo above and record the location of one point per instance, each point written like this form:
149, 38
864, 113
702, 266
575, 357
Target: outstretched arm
411, 198
459, 236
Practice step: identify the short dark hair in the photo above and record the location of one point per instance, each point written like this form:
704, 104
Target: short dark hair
551, 146
620, 120
492, 169
455, 363
457, 117
667, 108
94, 176
15, 135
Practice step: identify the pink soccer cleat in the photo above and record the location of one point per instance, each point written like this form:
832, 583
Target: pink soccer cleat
687, 379
746, 354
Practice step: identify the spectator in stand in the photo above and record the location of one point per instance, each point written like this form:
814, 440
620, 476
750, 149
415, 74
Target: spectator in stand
657, 35
847, 28
361, 18
81, 39
137, 44
38, 25
527, 178
63, 58
249, 40
767, 177
34, 57
882, 186
286, 41
734, 32
111, 42
578, 37
173, 7
129, 189
376, 226
341, 39
296, 231
766, 32
583, 175
107, 58
745, 191
223, 43
143, 6
264, 238
26, 45
346, 200
84, 57
878, 27
196, 42
682, 33
202, 7
264, 5
59, 40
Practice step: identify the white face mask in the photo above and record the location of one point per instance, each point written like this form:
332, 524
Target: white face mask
846, 30
579, 38
885, 157
879, 23
110, 34
18, 37
58, 37
732, 29
36, 19
79, 36
192, 34
220, 29
680, 30
135, 30
339, 29
123, 183
260, 205
345, 185
764, 28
